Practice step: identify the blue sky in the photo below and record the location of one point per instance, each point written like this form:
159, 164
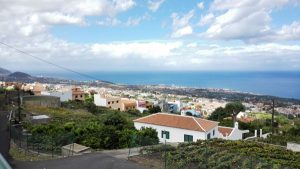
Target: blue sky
136, 35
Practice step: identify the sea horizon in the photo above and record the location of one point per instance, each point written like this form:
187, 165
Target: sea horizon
275, 83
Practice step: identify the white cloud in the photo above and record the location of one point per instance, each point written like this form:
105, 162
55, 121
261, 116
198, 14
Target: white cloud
136, 21
171, 63
143, 49
150, 55
247, 20
187, 30
181, 25
32, 17
196, 61
131, 21
58, 18
200, 5
154, 5
27, 24
109, 22
291, 31
192, 45
206, 19
181, 21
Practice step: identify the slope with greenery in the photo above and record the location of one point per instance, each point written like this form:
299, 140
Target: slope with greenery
225, 154
106, 129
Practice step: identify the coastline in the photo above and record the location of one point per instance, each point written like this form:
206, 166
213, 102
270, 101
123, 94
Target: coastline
281, 84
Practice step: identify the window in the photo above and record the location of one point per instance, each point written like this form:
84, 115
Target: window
188, 138
119, 109
208, 136
112, 102
167, 134
213, 132
117, 101
108, 102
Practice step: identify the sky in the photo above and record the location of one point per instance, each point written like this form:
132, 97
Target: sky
151, 35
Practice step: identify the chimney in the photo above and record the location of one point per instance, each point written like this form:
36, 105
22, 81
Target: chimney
236, 125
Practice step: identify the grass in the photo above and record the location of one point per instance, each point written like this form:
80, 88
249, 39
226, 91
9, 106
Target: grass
259, 115
22, 155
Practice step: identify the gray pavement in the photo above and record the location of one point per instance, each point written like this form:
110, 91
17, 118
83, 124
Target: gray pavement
96, 160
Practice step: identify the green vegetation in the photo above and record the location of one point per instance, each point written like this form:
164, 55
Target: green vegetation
106, 129
155, 109
230, 110
22, 155
285, 129
225, 154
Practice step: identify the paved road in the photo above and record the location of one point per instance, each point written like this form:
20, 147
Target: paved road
4, 134
88, 161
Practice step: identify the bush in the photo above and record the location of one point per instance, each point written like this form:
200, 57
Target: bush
155, 109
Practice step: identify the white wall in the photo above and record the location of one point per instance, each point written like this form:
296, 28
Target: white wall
99, 101
63, 96
177, 134
236, 133
293, 146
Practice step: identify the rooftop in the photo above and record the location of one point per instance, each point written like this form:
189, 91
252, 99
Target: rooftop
225, 131
177, 121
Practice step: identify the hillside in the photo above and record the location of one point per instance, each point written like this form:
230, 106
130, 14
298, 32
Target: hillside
19, 76
4, 72
221, 154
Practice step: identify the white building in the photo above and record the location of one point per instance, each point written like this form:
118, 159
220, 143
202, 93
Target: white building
179, 128
63, 95
229, 133
100, 100
187, 128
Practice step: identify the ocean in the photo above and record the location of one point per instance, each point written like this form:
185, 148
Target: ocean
282, 84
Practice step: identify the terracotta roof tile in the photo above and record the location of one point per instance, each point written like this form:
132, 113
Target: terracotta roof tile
206, 124
225, 131
177, 121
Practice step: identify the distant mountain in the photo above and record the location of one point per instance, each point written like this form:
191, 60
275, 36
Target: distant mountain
26, 78
4, 72
19, 76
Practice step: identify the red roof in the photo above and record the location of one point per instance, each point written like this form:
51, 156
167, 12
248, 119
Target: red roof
177, 121
225, 131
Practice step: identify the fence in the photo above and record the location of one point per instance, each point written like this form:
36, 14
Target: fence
40, 143
137, 143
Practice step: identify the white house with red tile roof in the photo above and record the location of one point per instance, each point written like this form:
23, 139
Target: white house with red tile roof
230, 133
179, 128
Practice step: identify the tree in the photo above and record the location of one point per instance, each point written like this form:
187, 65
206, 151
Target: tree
154, 109
219, 114
147, 136
109, 137
234, 109
91, 107
117, 120
134, 112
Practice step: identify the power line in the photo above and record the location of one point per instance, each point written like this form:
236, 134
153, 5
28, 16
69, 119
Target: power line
50, 63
